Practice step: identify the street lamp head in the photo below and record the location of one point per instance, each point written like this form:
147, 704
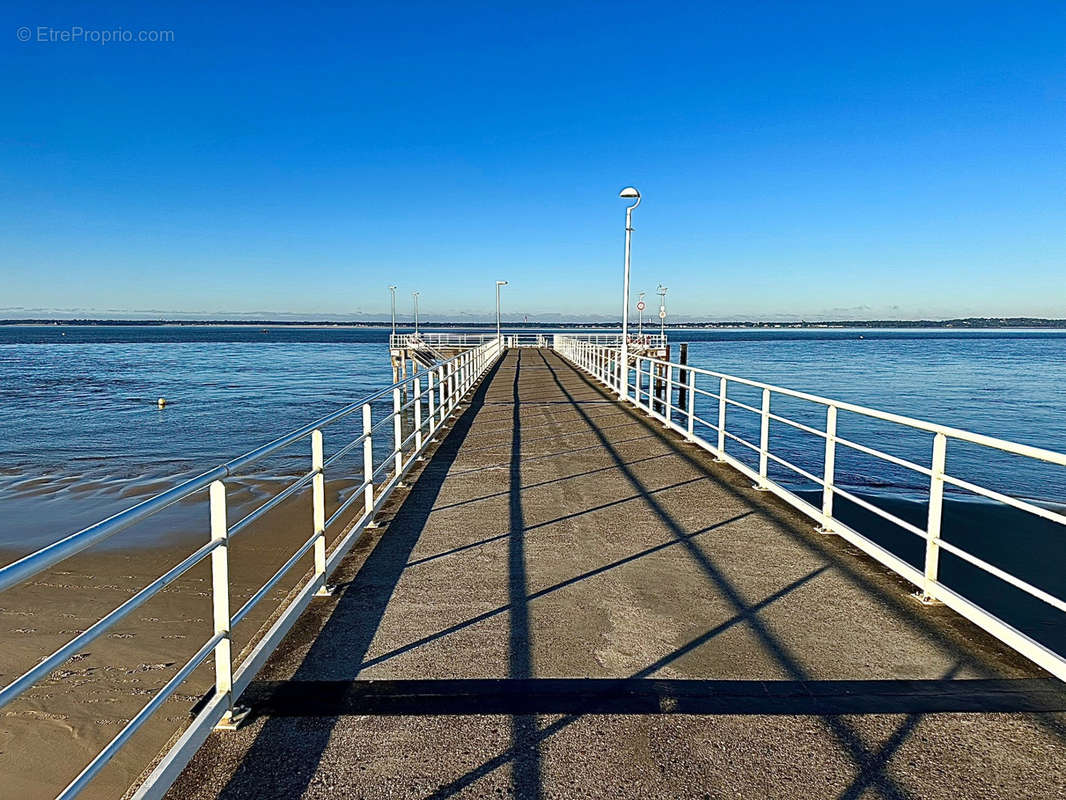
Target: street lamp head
501, 283
629, 192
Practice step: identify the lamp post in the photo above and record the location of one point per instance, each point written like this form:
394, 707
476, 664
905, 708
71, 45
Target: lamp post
628, 193
662, 312
498, 285
414, 296
640, 312
392, 291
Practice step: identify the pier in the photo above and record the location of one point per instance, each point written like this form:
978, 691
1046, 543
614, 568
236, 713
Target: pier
560, 583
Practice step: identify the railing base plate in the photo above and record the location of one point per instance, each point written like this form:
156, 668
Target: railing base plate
232, 720
925, 599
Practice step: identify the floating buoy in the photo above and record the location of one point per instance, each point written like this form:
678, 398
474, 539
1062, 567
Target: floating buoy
162, 402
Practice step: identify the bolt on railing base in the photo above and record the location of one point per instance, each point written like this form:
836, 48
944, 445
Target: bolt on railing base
233, 719
760, 488
925, 599
825, 531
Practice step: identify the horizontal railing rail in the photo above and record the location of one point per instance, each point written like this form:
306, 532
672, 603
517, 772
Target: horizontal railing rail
433, 341
433, 395
651, 384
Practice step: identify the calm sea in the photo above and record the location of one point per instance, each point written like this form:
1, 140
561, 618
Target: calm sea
81, 437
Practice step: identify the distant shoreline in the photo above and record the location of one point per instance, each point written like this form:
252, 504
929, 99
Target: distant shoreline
974, 323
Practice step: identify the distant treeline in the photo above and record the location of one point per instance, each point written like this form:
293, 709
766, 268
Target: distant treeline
968, 322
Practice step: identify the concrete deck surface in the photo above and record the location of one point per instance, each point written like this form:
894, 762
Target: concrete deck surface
573, 602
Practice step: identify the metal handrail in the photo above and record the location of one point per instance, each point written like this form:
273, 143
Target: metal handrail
1005, 445
606, 365
446, 339
447, 383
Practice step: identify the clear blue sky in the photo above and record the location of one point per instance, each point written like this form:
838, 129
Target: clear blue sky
797, 160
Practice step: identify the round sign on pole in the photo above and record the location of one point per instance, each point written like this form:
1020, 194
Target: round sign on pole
662, 315
641, 306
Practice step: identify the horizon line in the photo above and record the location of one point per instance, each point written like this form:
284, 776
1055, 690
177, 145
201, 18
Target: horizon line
971, 322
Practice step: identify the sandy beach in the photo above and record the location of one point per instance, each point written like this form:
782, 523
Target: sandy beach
77, 709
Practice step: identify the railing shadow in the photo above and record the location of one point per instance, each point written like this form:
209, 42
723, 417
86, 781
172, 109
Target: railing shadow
870, 763
527, 771
846, 734
346, 636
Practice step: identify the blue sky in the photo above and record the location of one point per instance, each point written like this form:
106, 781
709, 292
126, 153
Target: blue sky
840, 160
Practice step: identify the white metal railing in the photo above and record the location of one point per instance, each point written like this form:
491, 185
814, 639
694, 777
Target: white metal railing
437, 340
433, 394
651, 384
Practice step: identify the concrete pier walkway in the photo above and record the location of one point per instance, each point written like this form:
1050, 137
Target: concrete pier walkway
572, 602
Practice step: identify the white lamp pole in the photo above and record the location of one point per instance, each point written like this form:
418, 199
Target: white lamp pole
392, 291
662, 313
640, 313
628, 193
498, 285
414, 295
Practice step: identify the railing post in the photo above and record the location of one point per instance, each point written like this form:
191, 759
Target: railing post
431, 397
636, 387
418, 412
936, 512
668, 407
764, 441
318, 510
440, 389
368, 465
722, 388
691, 398
220, 599
397, 429
828, 475
451, 387
651, 393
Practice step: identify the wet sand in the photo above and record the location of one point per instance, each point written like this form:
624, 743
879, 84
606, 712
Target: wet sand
50, 733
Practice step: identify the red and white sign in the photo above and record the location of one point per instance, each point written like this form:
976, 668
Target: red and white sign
641, 306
